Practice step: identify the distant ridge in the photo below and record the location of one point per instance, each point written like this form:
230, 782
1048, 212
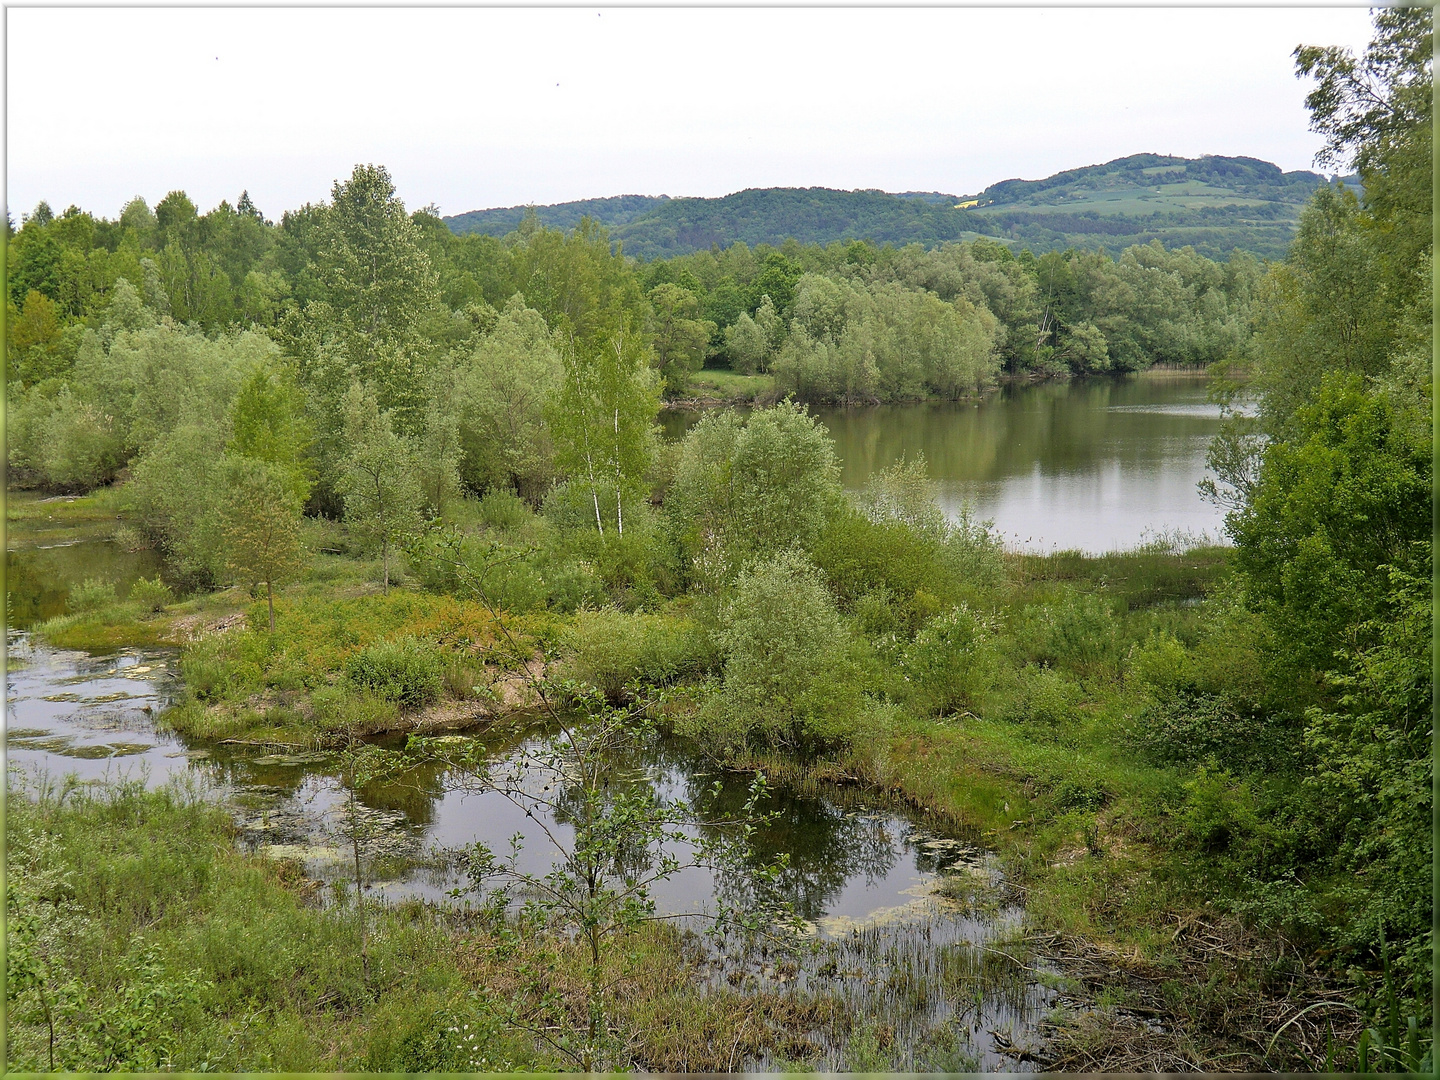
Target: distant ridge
1213, 203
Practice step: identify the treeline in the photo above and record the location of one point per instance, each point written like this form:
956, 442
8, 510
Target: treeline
857, 321
431, 313
1216, 204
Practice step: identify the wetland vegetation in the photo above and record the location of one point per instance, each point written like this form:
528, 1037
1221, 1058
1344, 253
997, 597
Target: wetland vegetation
337, 529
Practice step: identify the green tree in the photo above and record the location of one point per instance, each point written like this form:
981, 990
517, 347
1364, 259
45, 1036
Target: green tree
35, 341
379, 285
1335, 505
260, 524
1332, 521
680, 338
378, 483
788, 683
437, 457
502, 395
604, 414
269, 425
751, 486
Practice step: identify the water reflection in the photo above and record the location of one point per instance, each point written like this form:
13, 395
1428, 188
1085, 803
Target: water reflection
38, 580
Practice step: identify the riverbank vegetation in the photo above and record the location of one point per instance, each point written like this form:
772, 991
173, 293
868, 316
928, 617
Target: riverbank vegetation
1206, 769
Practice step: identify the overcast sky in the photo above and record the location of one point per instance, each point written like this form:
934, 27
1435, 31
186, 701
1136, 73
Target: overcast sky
481, 108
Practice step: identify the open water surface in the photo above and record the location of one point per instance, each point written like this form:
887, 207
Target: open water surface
911, 926
1096, 465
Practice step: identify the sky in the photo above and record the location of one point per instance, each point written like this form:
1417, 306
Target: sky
475, 108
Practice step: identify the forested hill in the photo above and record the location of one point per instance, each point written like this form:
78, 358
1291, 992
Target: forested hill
1215, 204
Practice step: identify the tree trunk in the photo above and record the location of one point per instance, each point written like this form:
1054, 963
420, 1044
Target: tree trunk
619, 515
270, 599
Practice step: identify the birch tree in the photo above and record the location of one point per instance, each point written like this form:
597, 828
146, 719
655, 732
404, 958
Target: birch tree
604, 415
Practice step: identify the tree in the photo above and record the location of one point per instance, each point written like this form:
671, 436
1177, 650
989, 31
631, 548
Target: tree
680, 339
378, 481
502, 394
261, 524
437, 457
788, 681
379, 285
746, 346
604, 415
35, 340
748, 487
269, 425
1332, 524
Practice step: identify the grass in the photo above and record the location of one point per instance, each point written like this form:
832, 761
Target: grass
723, 386
154, 944
1044, 769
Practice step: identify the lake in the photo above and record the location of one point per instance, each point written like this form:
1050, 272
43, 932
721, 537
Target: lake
1091, 464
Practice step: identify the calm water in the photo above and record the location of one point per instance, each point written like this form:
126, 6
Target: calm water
1093, 464
38, 580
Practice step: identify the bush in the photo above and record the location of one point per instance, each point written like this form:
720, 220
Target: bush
791, 679
64, 443
1188, 727
953, 661
406, 671
92, 594
860, 556
613, 649
635, 567
1079, 632
151, 595
502, 509
506, 577
1044, 698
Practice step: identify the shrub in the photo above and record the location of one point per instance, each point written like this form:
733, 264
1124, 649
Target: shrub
1079, 632
859, 556
502, 509
406, 671
791, 680
953, 661
1045, 698
1187, 726
613, 649
151, 595
92, 594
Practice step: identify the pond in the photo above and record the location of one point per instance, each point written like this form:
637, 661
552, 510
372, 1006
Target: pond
1091, 464
38, 579
909, 924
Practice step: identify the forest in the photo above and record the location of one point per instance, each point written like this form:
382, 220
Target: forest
394, 477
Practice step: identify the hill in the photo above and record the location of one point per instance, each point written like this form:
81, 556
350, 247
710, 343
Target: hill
1214, 204
1211, 203
616, 210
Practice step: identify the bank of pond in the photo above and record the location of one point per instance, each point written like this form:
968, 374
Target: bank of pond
1010, 877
